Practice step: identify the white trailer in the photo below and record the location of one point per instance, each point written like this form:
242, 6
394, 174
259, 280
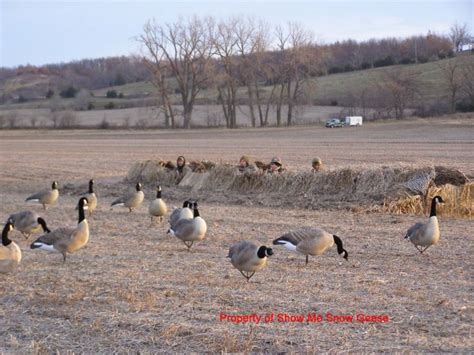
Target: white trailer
354, 121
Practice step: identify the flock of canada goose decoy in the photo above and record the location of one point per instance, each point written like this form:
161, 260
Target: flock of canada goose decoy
185, 223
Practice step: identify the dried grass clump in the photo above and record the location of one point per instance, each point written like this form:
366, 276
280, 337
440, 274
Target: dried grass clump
151, 171
459, 201
397, 189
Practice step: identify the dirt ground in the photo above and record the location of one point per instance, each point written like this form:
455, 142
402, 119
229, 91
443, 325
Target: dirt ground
135, 289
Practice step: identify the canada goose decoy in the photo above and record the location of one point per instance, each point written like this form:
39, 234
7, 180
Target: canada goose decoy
426, 234
246, 257
157, 206
46, 197
310, 241
91, 198
132, 199
66, 240
181, 213
10, 253
28, 222
190, 230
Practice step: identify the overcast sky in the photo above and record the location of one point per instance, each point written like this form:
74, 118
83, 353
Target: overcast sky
41, 32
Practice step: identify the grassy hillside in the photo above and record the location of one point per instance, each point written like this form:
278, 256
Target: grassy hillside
431, 82
323, 90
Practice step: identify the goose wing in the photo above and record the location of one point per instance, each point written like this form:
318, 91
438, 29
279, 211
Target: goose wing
242, 252
54, 237
174, 217
124, 199
184, 228
24, 220
299, 236
415, 231
39, 195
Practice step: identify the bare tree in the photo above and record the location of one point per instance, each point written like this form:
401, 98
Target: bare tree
459, 36
82, 100
450, 71
187, 49
225, 44
467, 81
157, 62
296, 57
396, 90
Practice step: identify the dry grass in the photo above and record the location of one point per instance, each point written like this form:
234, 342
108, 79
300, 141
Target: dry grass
135, 289
359, 189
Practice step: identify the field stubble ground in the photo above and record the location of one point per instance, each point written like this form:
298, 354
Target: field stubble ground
133, 288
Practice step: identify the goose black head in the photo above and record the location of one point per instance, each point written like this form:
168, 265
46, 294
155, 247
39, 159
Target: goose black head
263, 251
186, 204
138, 186
83, 202
438, 199
54, 186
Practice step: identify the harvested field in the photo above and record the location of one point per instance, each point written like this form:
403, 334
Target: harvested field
133, 288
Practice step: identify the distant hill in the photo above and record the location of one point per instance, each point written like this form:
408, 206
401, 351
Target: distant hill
342, 89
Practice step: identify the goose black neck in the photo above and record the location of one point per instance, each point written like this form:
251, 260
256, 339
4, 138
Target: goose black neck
340, 248
91, 187
196, 212
81, 212
433, 208
158, 193
42, 222
5, 240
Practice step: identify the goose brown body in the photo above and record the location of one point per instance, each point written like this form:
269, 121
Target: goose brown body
66, 240
248, 258
46, 197
131, 200
28, 222
310, 241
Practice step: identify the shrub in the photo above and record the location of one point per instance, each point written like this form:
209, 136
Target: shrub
49, 94
111, 94
70, 92
110, 106
121, 96
22, 99
90, 106
365, 65
388, 60
406, 61
333, 102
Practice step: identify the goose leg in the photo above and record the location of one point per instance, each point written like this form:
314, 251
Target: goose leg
188, 245
247, 276
421, 251
307, 259
64, 257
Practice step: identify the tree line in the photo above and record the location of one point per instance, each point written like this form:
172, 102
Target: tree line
248, 62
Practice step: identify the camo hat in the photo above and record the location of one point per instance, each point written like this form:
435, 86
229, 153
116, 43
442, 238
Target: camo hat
276, 161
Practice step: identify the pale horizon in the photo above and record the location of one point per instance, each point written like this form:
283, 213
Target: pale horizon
50, 32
